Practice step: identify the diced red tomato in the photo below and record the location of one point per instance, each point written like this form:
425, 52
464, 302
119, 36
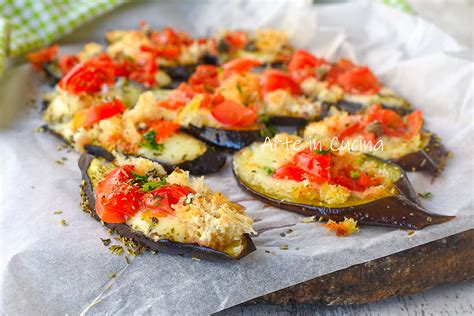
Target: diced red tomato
115, 198
204, 78
158, 202
239, 65
289, 172
306, 164
353, 79
67, 62
163, 129
167, 43
236, 40
414, 121
276, 79
357, 183
165, 51
303, 65
143, 71
233, 114
357, 128
89, 76
43, 56
338, 69
169, 36
359, 81
302, 59
95, 114
179, 97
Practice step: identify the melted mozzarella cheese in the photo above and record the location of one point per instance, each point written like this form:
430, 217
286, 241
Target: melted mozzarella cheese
177, 149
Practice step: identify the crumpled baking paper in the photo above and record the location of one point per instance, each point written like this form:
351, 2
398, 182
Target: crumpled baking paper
48, 268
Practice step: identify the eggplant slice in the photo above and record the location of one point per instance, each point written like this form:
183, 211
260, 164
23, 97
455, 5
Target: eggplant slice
431, 158
210, 161
288, 121
402, 210
224, 138
166, 246
353, 107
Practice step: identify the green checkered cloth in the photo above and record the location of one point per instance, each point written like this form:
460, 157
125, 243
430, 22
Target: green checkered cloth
26, 25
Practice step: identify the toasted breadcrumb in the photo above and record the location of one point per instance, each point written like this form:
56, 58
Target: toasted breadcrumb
344, 228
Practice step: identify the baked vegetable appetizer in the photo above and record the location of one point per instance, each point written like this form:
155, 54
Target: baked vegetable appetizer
219, 107
302, 177
269, 46
90, 118
171, 213
284, 101
348, 86
385, 134
174, 52
143, 72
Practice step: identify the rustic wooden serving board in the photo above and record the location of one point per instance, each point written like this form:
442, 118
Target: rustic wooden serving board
449, 259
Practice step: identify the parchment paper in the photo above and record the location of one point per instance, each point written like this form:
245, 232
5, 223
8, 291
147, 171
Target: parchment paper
52, 269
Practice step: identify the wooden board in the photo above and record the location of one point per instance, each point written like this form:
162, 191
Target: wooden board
450, 259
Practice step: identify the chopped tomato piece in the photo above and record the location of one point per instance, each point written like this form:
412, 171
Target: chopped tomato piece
204, 78
314, 164
164, 129
289, 172
303, 65
89, 76
414, 121
158, 202
357, 128
43, 56
353, 179
275, 79
239, 65
67, 62
179, 97
233, 114
143, 71
116, 199
95, 114
359, 81
302, 59
166, 51
236, 40
306, 164
169, 36
338, 69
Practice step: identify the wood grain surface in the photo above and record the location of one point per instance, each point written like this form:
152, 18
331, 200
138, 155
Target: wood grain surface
447, 260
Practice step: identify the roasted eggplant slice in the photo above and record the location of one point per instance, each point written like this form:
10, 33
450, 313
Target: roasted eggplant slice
129, 132
208, 162
383, 133
288, 173
354, 107
173, 226
431, 157
224, 138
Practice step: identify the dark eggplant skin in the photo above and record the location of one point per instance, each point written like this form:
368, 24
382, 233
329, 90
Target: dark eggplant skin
166, 246
52, 73
210, 161
353, 107
182, 73
224, 138
288, 121
431, 159
402, 210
